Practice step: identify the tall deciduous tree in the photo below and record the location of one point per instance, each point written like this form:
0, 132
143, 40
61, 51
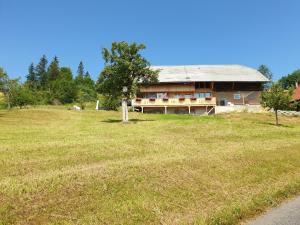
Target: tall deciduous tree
125, 69
263, 69
276, 98
53, 69
41, 72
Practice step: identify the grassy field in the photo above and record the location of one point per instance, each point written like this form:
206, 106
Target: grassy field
68, 167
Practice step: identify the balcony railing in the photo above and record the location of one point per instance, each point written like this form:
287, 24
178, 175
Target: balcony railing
211, 101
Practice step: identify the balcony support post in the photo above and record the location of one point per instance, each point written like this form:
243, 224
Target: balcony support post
142, 109
166, 112
189, 109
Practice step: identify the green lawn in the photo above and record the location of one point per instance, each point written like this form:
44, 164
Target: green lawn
68, 167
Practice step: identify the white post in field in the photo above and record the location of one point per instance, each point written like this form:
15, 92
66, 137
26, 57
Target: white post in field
97, 105
124, 110
124, 106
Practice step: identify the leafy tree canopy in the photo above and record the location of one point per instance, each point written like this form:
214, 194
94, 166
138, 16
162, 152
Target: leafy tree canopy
124, 67
290, 80
276, 98
65, 73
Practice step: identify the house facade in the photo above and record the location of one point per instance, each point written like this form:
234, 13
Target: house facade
198, 89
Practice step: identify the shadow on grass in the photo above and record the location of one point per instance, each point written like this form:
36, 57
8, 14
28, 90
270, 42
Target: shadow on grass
279, 125
120, 121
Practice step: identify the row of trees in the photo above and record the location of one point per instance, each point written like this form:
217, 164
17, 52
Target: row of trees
125, 69
48, 85
286, 82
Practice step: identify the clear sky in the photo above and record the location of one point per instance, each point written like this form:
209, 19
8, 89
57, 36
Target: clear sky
248, 32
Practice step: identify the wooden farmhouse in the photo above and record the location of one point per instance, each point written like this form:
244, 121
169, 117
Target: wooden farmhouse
198, 89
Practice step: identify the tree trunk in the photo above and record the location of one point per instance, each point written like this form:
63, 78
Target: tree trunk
276, 115
124, 110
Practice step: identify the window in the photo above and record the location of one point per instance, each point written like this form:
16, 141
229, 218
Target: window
151, 95
203, 94
236, 96
161, 95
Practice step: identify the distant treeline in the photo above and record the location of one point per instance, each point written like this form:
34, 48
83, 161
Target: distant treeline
49, 84
290, 80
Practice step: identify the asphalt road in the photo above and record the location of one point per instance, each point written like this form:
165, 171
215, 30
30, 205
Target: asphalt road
286, 214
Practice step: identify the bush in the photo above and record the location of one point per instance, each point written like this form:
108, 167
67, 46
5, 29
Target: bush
21, 96
110, 103
63, 91
86, 94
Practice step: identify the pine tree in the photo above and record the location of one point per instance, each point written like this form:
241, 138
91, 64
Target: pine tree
41, 72
53, 69
88, 81
32, 80
79, 80
264, 70
80, 70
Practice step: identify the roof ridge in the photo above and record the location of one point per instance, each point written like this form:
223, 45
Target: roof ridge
183, 65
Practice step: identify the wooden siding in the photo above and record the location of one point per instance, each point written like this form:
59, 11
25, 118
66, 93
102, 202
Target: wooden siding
174, 102
169, 88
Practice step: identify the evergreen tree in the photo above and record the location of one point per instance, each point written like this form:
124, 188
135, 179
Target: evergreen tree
80, 70
79, 80
88, 81
32, 80
264, 70
53, 69
41, 72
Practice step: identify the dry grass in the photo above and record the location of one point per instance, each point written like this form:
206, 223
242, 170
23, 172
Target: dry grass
67, 167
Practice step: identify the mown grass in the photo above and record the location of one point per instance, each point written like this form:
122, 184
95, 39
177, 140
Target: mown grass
68, 167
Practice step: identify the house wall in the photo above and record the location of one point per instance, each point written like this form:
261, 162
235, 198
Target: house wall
247, 97
190, 87
249, 92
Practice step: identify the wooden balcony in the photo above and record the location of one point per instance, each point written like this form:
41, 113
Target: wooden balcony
173, 102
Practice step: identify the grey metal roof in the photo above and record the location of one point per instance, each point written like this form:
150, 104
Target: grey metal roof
221, 73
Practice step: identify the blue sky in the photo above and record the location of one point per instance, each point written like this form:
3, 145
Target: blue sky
248, 32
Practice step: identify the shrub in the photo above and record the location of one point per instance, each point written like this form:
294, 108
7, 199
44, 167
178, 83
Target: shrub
110, 103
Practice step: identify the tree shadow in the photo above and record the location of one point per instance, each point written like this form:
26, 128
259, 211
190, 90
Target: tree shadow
120, 121
279, 125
